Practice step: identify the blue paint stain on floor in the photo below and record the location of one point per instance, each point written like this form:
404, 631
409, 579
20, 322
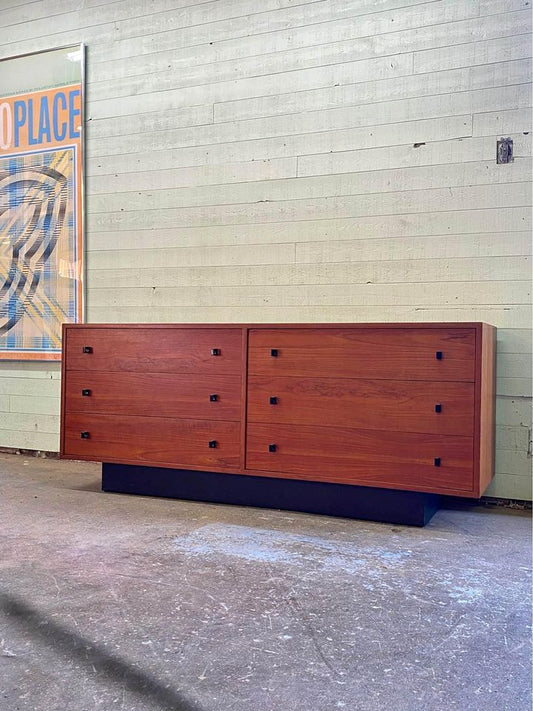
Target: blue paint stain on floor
465, 595
279, 547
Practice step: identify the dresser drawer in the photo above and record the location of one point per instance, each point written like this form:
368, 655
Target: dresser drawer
374, 353
403, 406
156, 440
155, 350
366, 457
190, 396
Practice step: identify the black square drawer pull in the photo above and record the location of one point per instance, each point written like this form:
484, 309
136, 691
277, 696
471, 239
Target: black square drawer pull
436, 461
438, 355
273, 400
274, 352
86, 392
215, 351
438, 408
85, 435
213, 398
87, 349
272, 447
212, 444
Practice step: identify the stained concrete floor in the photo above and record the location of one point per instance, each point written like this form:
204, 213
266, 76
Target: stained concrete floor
119, 602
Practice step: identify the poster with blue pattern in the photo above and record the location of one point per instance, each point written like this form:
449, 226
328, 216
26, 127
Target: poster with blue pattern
41, 216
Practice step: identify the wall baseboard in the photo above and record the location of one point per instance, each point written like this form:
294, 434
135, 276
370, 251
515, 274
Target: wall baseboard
29, 452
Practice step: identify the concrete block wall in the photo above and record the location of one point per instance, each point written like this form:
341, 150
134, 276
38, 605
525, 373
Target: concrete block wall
300, 160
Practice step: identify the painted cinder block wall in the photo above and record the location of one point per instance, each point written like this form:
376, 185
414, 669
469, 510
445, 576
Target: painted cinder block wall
299, 160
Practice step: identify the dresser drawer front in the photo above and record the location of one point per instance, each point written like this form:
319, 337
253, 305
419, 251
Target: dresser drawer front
155, 350
155, 440
366, 457
374, 353
189, 396
412, 406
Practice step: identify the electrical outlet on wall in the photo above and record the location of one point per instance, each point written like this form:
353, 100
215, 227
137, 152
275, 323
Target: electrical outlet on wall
504, 150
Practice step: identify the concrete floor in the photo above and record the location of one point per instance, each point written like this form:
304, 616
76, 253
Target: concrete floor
119, 602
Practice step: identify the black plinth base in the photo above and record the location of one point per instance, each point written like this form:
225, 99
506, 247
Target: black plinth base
386, 505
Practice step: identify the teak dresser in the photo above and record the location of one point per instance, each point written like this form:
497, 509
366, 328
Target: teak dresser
344, 419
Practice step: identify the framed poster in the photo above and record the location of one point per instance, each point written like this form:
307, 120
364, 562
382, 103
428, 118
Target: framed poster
41, 201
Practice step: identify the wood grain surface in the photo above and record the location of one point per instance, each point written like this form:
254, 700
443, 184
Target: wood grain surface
154, 440
367, 457
403, 406
485, 407
164, 350
365, 353
353, 403
155, 394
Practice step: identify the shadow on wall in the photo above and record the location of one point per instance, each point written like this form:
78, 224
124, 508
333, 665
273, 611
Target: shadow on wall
92, 655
